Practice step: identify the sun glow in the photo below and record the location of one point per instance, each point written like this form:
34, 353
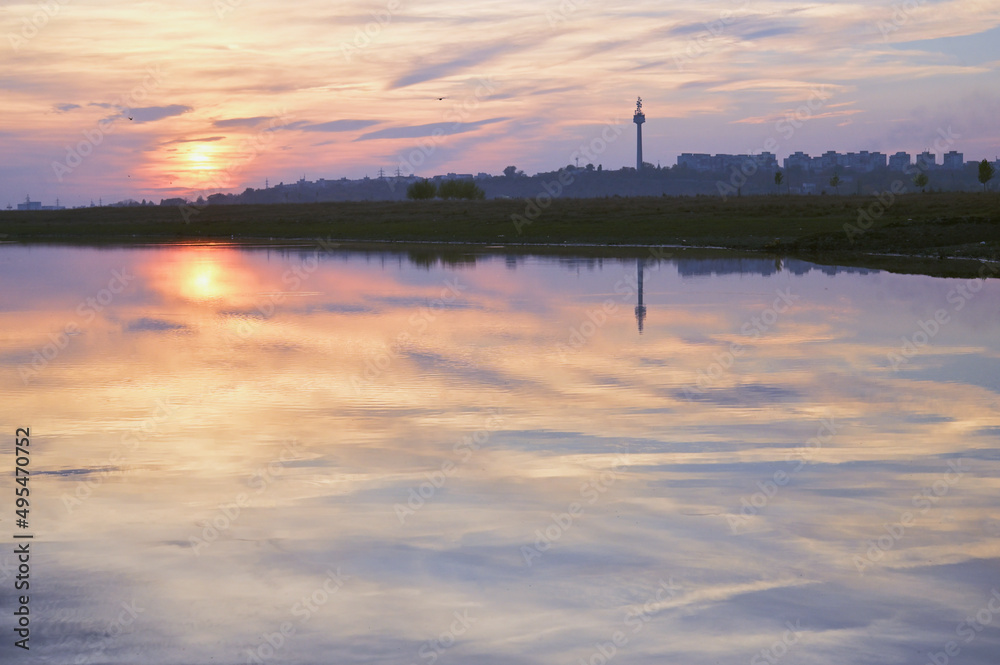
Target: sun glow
202, 282
201, 158
202, 275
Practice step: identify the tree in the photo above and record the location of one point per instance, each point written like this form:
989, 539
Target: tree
986, 172
460, 189
420, 190
920, 180
779, 177
510, 171
835, 183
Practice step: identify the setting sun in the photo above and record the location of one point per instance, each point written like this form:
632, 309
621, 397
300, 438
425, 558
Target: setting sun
201, 158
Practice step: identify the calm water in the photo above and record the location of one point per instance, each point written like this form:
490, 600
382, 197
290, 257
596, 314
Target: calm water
302, 456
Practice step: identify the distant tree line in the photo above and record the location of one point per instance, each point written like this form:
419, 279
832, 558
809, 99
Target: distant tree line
594, 181
449, 189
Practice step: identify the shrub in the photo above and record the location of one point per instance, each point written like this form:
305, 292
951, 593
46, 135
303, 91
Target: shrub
460, 189
422, 189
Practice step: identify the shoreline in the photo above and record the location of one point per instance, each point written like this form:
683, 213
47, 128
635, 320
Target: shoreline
940, 234
931, 266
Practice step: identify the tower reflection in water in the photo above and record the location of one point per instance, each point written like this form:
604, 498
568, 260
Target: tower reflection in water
640, 309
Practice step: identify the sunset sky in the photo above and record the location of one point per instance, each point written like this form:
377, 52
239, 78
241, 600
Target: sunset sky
154, 99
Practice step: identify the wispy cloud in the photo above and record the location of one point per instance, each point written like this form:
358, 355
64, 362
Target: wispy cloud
241, 122
206, 139
452, 61
337, 126
154, 113
144, 113
433, 129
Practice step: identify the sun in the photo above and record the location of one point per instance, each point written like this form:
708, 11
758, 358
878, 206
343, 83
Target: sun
201, 158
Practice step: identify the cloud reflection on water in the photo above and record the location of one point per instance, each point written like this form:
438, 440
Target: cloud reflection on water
217, 395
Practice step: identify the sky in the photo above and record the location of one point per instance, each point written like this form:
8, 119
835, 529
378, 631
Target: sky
109, 100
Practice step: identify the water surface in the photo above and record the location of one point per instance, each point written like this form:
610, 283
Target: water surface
305, 455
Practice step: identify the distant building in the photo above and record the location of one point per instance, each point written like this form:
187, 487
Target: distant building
798, 160
899, 162
696, 161
767, 160
926, 160
954, 160
877, 160
863, 161
724, 163
37, 205
827, 161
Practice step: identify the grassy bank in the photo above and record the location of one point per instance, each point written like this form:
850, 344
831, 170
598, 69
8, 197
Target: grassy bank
928, 225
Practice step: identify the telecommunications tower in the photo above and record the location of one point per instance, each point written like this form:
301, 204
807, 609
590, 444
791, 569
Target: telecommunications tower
638, 118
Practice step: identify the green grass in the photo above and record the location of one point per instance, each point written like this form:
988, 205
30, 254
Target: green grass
937, 224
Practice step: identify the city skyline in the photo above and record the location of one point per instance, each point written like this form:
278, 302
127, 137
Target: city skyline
173, 100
